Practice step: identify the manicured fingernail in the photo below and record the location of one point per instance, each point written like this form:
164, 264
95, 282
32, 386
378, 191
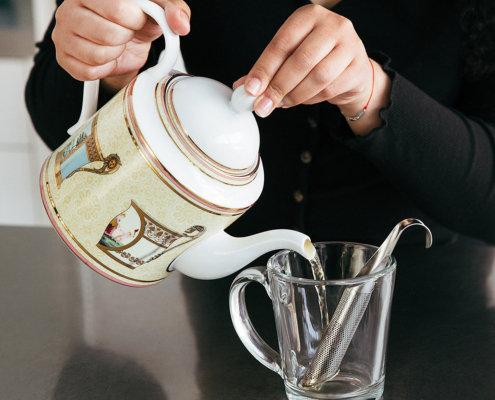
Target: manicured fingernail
253, 86
281, 105
264, 107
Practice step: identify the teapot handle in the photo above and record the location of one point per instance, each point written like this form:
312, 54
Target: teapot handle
163, 68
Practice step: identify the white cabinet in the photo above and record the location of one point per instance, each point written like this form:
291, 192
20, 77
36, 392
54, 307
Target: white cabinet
21, 151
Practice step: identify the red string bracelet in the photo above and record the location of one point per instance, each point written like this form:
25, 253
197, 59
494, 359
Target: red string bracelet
362, 112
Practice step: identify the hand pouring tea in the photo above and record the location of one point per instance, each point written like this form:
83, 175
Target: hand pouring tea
148, 183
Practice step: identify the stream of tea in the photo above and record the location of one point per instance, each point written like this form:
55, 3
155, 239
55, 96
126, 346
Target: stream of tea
319, 275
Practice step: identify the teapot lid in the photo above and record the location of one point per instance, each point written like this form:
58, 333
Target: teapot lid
208, 117
215, 130
202, 135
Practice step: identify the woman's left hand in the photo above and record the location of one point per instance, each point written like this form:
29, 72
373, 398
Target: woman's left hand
315, 56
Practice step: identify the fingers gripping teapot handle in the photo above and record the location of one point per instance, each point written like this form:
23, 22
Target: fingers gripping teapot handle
172, 45
163, 68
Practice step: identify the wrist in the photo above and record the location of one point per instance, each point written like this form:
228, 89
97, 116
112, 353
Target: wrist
380, 98
353, 110
112, 84
356, 108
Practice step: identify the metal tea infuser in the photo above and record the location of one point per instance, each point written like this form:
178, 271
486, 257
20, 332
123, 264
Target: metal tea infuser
340, 331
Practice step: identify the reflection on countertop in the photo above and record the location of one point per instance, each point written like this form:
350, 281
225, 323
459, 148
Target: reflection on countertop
92, 373
68, 333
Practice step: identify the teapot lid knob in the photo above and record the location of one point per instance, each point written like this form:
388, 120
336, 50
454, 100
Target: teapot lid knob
242, 101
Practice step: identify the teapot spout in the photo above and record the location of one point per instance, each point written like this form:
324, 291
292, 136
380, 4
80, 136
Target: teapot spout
222, 254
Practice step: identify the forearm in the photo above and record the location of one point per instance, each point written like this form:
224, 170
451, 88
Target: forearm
443, 160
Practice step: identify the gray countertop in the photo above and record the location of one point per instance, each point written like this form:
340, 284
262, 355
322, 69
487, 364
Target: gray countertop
68, 333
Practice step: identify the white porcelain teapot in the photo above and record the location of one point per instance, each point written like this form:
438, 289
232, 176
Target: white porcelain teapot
163, 167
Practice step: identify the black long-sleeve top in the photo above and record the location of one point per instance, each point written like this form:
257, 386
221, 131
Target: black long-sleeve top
433, 158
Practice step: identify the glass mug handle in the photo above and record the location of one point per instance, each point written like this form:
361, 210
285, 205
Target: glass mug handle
242, 324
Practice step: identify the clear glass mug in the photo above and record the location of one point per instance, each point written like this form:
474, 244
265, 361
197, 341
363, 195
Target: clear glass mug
302, 306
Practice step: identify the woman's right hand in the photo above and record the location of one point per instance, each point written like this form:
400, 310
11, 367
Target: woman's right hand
110, 39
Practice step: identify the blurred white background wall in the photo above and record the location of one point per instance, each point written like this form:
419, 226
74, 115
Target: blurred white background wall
21, 151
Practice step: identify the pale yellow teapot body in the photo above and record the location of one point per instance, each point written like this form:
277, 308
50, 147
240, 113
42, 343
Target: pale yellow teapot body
167, 164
